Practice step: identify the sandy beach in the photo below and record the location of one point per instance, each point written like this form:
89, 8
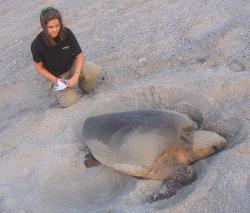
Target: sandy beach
153, 55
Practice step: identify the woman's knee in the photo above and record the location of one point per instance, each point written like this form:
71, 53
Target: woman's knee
91, 71
91, 74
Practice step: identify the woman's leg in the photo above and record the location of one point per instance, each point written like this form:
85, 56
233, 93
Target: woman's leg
89, 76
68, 96
87, 82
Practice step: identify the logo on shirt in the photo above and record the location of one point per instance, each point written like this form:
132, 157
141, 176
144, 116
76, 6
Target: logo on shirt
65, 48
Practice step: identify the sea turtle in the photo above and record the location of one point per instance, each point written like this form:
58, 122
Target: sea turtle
152, 144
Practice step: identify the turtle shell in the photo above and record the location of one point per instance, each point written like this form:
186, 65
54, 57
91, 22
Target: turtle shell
133, 142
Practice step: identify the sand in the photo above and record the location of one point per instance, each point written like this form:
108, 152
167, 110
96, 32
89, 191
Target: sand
154, 55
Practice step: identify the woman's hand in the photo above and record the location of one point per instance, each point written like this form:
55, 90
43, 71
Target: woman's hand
74, 80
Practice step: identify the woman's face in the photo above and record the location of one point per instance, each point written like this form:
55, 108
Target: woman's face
53, 27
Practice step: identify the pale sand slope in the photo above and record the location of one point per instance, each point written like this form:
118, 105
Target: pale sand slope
154, 55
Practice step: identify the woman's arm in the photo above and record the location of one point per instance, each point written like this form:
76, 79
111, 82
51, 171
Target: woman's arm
79, 63
45, 73
78, 69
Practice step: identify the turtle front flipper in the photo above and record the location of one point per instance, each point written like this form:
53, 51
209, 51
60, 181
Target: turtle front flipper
182, 176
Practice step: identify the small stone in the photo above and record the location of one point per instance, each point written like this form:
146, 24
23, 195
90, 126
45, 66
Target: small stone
142, 60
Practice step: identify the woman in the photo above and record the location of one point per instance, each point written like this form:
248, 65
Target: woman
59, 59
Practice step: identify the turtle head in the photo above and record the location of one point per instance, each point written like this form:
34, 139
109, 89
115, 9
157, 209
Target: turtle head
206, 143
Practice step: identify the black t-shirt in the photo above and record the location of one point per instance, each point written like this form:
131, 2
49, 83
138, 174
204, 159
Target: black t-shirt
57, 60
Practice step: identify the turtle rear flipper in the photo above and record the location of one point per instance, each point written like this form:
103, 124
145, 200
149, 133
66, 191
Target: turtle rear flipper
90, 161
182, 176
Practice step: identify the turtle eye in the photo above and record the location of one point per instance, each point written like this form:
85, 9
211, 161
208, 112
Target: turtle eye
215, 148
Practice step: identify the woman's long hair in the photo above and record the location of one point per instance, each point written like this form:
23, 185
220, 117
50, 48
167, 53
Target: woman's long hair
48, 14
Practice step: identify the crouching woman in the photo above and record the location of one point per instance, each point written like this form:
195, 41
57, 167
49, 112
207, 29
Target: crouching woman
58, 58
